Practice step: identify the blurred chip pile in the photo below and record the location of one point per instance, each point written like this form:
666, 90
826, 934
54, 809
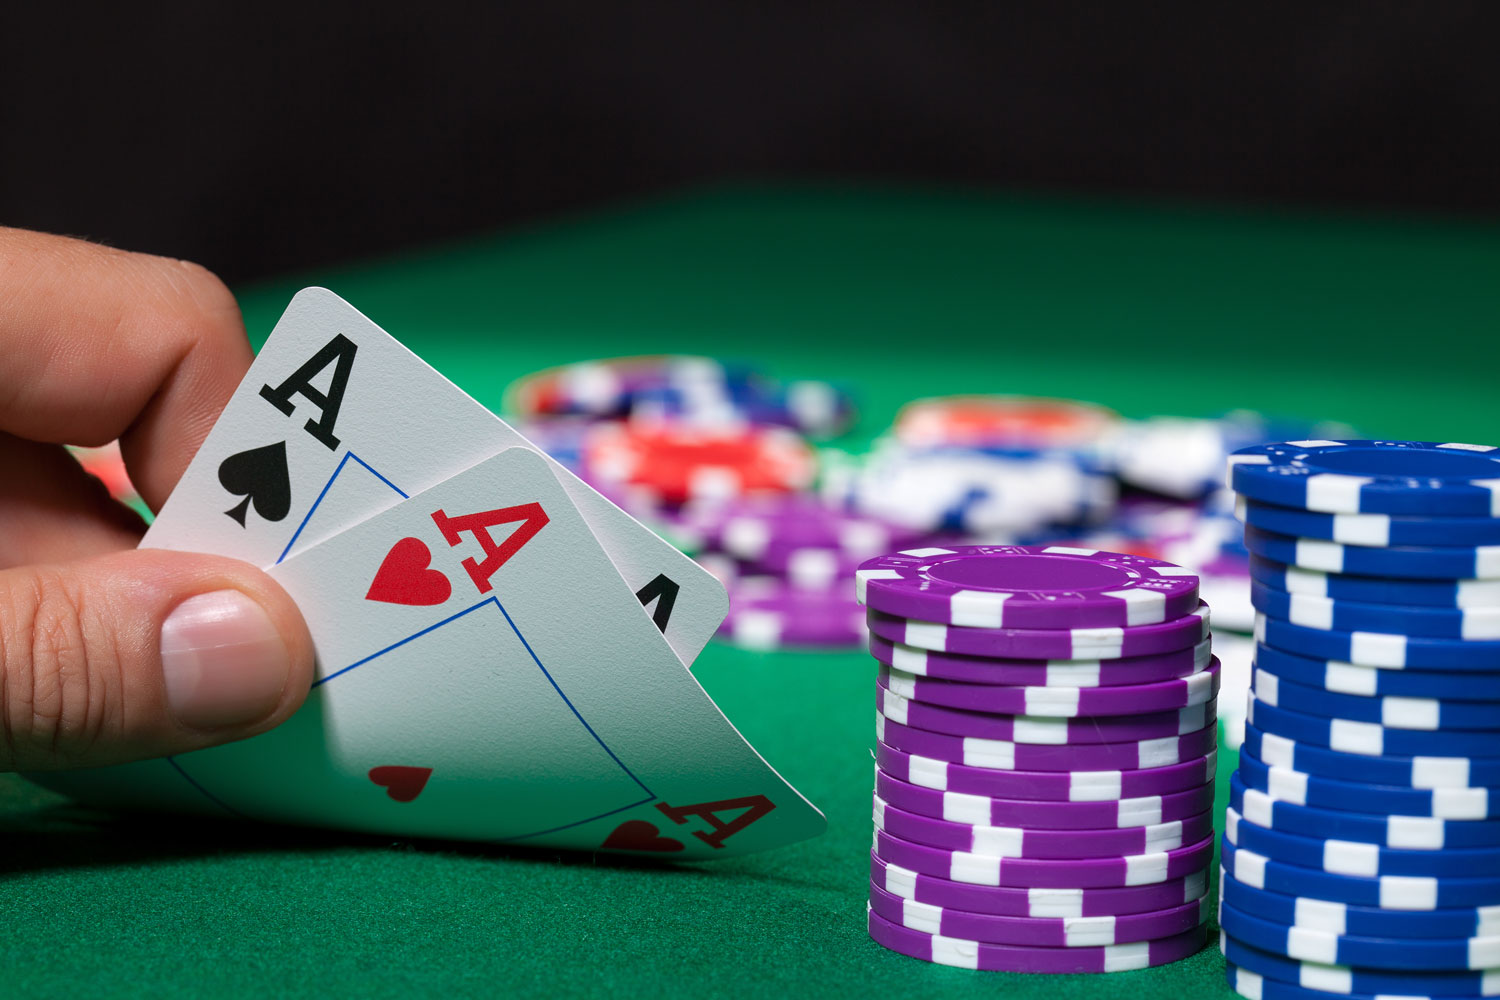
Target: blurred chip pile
740, 469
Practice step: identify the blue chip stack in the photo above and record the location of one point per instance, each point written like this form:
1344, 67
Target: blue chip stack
1361, 850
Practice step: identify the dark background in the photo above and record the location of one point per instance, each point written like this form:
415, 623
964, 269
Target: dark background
276, 138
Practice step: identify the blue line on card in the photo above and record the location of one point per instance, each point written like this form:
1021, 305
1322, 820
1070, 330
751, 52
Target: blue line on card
417, 635
206, 793
328, 486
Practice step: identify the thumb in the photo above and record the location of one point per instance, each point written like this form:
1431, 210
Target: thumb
141, 654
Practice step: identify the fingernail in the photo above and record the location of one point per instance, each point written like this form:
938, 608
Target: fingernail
224, 662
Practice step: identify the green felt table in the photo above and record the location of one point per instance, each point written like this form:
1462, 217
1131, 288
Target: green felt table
1388, 324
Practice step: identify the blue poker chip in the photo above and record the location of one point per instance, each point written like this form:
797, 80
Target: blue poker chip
1458, 775
1386, 892
1376, 589
1379, 649
1372, 477
1288, 785
1406, 562
1352, 950
1369, 738
1412, 833
1352, 678
1392, 712
1354, 616
1377, 530
1392, 984
1364, 921
1342, 857
1254, 986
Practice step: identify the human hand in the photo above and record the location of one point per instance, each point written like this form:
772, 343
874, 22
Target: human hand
110, 654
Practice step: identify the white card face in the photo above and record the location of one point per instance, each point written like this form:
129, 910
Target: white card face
483, 673
336, 422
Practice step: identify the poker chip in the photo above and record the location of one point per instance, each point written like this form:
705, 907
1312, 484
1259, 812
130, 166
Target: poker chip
1038, 932
1017, 586
1369, 797
1372, 953
1075, 644
1354, 678
1368, 738
1020, 842
772, 533
1376, 590
987, 956
1390, 892
1036, 903
1391, 712
1254, 986
1342, 857
768, 613
678, 464
1326, 917
1074, 786
1194, 689
1411, 772
1041, 729
983, 810
1031, 873
993, 496
1375, 530
1481, 562
1372, 477
1042, 673
1010, 756
1353, 616
1378, 649
1350, 980
1418, 833
1011, 958
1016, 422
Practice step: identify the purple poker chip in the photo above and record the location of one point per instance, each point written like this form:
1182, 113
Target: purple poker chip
1039, 729
1035, 903
1007, 755
767, 613
1055, 702
1104, 643
1027, 586
1046, 786
1039, 932
982, 810
1055, 845
1042, 673
1029, 873
768, 531
1020, 958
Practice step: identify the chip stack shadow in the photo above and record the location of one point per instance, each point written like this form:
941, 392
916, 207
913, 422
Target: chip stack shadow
1361, 850
1045, 755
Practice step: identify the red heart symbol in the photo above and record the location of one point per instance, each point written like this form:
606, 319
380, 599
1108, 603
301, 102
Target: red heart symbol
638, 835
404, 577
401, 783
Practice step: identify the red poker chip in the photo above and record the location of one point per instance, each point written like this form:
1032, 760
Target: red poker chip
1002, 422
681, 463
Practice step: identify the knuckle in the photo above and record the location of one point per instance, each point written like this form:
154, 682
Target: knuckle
58, 694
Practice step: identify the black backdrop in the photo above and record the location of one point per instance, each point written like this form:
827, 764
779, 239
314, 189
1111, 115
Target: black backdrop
258, 139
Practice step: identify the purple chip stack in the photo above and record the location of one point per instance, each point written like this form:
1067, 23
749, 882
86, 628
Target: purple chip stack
788, 563
1046, 741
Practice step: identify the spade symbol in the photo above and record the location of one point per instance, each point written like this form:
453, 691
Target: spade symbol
260, 475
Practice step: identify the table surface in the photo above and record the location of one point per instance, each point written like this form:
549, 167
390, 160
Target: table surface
1388, 324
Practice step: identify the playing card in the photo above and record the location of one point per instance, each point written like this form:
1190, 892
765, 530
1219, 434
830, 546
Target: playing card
336, 421
483, 673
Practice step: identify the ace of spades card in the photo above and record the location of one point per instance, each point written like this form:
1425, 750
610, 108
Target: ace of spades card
337, 421
484, 673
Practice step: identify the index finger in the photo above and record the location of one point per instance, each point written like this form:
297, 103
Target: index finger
101, 344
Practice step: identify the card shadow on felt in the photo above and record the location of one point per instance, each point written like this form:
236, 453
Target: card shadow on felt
44, 831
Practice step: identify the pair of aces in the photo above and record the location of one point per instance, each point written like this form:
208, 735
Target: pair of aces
502, 652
